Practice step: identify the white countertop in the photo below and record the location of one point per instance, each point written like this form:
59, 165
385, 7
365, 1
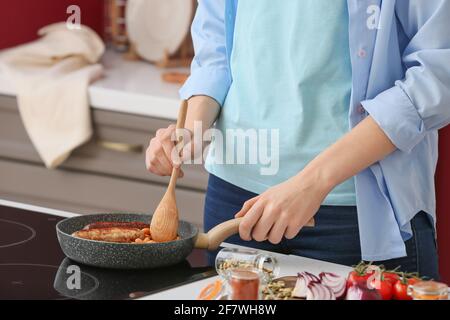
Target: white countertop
289, 265
133, 87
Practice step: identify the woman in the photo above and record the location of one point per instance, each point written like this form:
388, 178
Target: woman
356, 91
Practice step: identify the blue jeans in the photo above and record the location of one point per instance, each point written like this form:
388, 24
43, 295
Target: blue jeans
335, 238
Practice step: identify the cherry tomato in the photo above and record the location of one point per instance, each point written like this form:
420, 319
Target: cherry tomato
400, 289
358, 277
392, 277
384, 287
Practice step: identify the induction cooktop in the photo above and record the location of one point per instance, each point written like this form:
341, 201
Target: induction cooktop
32, 266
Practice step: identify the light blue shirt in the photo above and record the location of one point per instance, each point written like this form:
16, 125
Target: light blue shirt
400, 52
304, 96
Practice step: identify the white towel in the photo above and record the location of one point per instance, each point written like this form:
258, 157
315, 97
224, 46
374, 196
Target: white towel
51, 76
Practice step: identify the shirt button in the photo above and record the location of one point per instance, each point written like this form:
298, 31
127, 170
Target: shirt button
362, 53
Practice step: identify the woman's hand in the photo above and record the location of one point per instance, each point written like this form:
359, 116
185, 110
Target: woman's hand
283, 210
160, 157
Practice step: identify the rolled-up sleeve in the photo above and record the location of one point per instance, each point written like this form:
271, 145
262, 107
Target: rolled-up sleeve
210, 74
421, 101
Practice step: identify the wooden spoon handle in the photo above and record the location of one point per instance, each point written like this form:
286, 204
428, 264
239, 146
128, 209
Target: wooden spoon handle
214, 238
182, 114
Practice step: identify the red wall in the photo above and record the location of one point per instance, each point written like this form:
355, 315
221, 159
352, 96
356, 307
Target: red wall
443, 201
20, 19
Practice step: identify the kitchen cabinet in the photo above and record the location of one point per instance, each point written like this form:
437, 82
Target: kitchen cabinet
107, 174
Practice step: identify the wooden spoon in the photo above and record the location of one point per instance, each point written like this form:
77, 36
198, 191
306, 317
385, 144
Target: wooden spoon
164, 224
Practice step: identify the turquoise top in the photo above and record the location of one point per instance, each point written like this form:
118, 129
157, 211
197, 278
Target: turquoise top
292, 80
400, 78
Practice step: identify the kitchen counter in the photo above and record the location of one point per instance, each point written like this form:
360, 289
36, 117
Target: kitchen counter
133, 87
289, 265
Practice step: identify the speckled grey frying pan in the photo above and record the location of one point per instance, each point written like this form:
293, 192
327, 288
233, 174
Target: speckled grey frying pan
137, 256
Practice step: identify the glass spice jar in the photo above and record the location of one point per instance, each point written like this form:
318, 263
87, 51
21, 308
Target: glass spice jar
428, 290
244, 284
231, 258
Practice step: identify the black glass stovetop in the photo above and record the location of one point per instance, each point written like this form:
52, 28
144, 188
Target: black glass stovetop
32, 266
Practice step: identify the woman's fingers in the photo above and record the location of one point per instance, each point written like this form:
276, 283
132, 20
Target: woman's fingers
164, 137
167, 147
154, 159
247, 206
262, 228
157, 168
167, 167
259, 220
165, 163
165, 160
150, 157
250, 220
162, 156
278, 230
292, 230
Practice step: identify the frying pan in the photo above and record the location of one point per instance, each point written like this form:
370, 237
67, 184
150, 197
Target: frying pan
137, 256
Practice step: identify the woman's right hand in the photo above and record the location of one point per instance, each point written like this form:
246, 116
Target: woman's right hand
160, 157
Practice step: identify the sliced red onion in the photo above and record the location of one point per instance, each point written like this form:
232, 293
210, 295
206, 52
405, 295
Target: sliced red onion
336, 283
318, 291
303, 280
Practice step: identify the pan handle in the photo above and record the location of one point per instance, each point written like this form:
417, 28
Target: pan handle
214, 238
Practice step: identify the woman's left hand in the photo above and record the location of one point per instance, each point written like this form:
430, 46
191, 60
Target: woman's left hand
283, 210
